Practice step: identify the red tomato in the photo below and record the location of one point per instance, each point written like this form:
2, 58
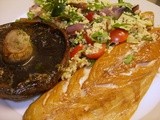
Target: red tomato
89, 16
97, 54
118, 35
87, 38
75, 50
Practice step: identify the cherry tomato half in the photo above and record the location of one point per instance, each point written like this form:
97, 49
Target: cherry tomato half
97, 54
118, 35
87, 38
89, 16
75, 50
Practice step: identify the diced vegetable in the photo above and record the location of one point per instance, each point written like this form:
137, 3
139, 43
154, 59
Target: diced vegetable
58, 9
114, 12
90, 16
99, 53
87, 38
75, 50
73, 28
128, 59
100, 37
118, 35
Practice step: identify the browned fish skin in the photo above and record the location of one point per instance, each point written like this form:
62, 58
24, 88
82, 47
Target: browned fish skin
23, 76
112, 91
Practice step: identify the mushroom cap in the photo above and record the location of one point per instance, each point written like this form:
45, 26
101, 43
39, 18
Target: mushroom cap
22, 77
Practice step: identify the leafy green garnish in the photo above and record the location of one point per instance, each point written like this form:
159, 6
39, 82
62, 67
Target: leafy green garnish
30, 15
126, 5
39, 2
92, 61
100, 37
58, 8
128, 59
118, 25
120, 1
96, 5
71, 16
55, 7
147, 38
47, 5
78, 40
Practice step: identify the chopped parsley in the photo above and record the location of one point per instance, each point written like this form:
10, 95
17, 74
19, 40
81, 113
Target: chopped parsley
128, 59
100, 37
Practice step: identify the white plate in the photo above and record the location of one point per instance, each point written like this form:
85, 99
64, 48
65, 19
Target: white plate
149, 108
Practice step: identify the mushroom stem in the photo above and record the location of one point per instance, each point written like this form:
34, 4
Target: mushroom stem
17, 46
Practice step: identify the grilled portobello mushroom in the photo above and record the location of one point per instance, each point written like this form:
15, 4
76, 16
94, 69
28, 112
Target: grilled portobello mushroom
30, 55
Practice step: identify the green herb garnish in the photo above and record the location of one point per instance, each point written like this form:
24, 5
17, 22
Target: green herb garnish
96, 5
47, 5
120, 1
128, 59
122, 25
58, 8
30, 15
125, 4
100, 37
147, 38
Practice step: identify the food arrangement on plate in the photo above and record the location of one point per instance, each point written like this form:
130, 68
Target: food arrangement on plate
113, 58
